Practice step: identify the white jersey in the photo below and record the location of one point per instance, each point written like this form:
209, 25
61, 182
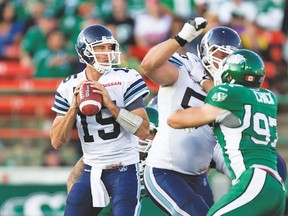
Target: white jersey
219, 161
104, 142
177, 149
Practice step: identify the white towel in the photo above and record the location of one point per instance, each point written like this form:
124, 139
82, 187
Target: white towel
100, 196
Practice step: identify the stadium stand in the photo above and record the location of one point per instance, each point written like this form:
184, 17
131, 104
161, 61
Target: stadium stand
14, 70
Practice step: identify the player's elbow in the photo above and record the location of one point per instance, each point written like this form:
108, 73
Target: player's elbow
147, 66
171, 122
55, 141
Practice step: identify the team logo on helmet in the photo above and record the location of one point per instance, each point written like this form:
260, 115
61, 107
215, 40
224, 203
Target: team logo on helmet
236, 59
107, 37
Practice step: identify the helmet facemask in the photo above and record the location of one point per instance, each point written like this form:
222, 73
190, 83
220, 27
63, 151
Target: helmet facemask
145, 145
113, 56
213, 64
220, 41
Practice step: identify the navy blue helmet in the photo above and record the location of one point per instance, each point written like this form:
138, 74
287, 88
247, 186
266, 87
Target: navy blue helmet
222, 39
92, 36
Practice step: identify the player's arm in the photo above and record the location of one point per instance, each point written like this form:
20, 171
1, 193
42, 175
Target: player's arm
61, 129
207, 85
155, 64
75, 174
193, 116
143, 131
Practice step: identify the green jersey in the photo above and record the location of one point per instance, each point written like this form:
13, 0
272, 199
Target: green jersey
254, 141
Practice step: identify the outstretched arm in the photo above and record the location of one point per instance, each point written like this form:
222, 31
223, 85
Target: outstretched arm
193, 116
155, 64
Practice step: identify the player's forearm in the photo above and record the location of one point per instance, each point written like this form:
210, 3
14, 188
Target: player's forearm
143, 131
181, 119
114, 110
60, 132
132, 122
159, 55
193, 116
190, 117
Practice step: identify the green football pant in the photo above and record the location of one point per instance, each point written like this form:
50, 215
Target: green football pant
256, 193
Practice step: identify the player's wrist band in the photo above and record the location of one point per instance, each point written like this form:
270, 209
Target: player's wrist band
180, 40
129, 121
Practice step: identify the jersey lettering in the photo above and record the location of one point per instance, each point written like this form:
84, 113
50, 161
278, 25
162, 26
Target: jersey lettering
126, 70
88, 137
74, 76
263, 97
262, 126
188, 94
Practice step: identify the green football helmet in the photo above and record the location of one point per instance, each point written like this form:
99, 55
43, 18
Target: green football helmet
153, 117
243, 67
152, 113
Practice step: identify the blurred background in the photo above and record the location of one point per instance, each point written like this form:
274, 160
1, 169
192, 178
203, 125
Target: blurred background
37, 52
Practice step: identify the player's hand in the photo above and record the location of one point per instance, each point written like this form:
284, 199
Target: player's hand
198, 73
74, 103
200, 76
192, 28
100, 89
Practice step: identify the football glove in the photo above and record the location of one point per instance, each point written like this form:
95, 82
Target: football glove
191, 30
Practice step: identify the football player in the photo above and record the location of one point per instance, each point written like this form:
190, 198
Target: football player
175, 173
245, 125
216, 44
143, 146
108, 139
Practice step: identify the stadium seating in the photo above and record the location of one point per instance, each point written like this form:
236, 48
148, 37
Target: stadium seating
26, 106
14, 69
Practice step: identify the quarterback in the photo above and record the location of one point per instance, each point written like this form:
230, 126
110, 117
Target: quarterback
108, 139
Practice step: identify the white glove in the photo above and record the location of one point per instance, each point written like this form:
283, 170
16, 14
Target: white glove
198, 73
192, 29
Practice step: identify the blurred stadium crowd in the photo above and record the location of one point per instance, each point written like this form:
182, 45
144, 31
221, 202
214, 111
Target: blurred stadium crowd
41, 34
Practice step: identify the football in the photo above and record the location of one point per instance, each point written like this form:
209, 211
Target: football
89, 102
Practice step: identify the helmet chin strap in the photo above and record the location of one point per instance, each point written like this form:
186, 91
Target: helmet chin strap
101, 69
217, 79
